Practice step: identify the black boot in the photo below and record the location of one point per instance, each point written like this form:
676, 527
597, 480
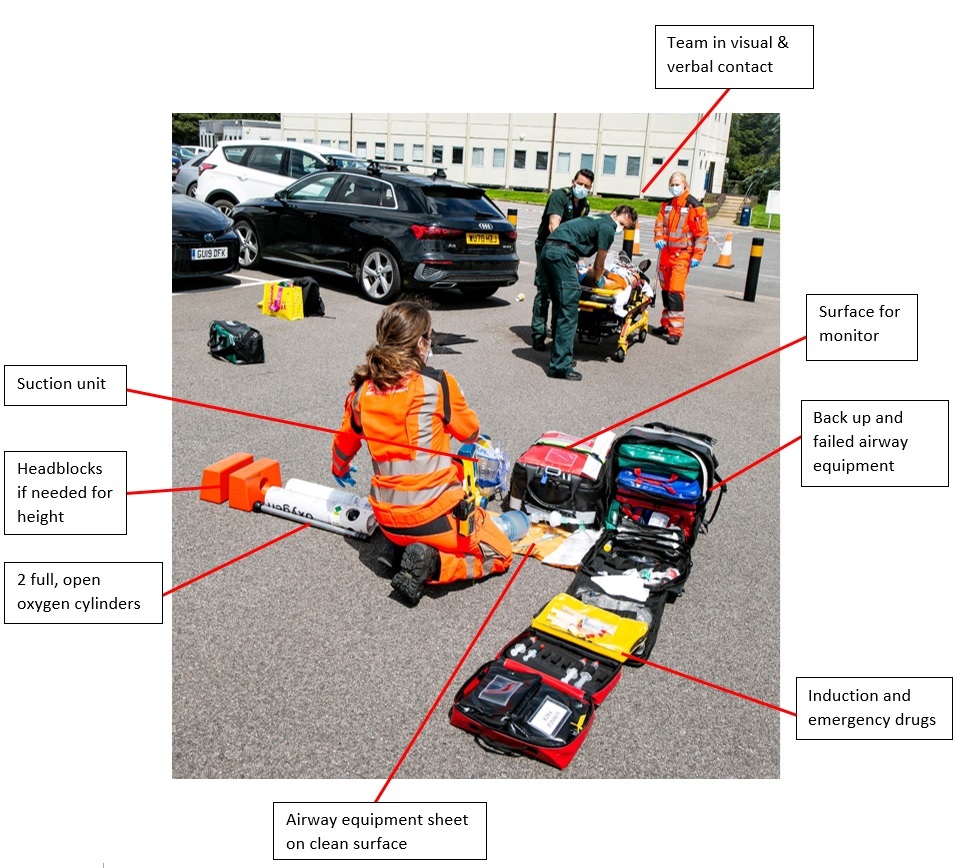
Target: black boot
419, 564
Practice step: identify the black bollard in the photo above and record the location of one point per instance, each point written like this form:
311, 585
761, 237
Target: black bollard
628, 241
754, 266
513, 216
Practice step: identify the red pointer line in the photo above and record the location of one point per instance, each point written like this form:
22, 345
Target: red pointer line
689, 136
333, 431
759, 461
710, 684
165, 490
237, 558
455, 671
689, 391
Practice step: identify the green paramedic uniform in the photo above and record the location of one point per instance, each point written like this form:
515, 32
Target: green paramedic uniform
567, 207
574, 240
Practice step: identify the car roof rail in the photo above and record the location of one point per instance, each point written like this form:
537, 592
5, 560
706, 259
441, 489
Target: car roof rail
437, 172
375, 167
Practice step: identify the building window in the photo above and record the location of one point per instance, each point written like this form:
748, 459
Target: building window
542, 160
587, 162
608, 164
563, 163
361, 149
418, 153
291, 138
343, 145
399, 151
325, 143
683, 163
478, 157
657, 161
380, 150
437, 153
632, 165
498, 158
307, 141
457, 155
519, 160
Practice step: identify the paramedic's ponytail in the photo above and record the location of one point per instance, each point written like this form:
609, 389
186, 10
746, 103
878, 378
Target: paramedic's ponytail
396, 353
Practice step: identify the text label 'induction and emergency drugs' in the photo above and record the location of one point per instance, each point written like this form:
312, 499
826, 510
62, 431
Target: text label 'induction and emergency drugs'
874, 708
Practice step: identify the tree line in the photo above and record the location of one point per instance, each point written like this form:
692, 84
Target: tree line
754, 157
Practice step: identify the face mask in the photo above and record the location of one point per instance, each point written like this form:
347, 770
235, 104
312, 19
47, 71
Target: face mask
676, 190
579, 191
619, 228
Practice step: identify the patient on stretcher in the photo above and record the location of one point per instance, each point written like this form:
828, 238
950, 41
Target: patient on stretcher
617, 285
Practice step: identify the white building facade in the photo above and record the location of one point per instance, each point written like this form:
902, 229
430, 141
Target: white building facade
537, 151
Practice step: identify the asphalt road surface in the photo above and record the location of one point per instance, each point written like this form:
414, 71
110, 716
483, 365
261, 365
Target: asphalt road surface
298, 662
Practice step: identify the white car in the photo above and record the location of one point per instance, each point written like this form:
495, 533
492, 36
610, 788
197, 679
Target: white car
235, 171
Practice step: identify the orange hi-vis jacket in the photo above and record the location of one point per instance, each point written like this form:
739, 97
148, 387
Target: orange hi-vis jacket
410, 487
683, 225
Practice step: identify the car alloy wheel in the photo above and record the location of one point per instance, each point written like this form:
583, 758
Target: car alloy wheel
224, 205
379, 275
191, 190
249, 244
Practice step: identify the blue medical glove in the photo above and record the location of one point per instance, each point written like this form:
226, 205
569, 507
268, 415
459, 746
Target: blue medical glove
346, 478
659, 245
695, 263
600, 282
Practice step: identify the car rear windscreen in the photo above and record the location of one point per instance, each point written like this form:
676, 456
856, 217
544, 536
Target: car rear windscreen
453, 202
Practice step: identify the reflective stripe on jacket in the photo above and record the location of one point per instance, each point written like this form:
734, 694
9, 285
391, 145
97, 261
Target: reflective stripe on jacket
409, 486
683, 225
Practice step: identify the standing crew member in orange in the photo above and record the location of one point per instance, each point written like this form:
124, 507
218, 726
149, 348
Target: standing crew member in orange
681, 236
399, 404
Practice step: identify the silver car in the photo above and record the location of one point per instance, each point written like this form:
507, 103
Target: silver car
185, 180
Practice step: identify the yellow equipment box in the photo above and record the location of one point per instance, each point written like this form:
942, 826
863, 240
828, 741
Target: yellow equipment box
600, 631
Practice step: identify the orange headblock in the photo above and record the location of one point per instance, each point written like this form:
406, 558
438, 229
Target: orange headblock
248, 484
219, 474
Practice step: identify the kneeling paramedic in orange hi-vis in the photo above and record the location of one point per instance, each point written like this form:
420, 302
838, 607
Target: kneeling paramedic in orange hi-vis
399, 404
681, 236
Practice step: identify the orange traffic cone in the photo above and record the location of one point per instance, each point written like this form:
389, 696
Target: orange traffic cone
725, 257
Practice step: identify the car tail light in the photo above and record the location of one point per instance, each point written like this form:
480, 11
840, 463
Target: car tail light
511, 235
435, 232
204, 167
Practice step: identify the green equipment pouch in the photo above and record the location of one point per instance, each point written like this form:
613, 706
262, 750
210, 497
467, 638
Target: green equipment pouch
659, 459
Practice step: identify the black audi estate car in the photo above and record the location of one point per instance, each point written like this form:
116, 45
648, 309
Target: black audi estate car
389, 230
